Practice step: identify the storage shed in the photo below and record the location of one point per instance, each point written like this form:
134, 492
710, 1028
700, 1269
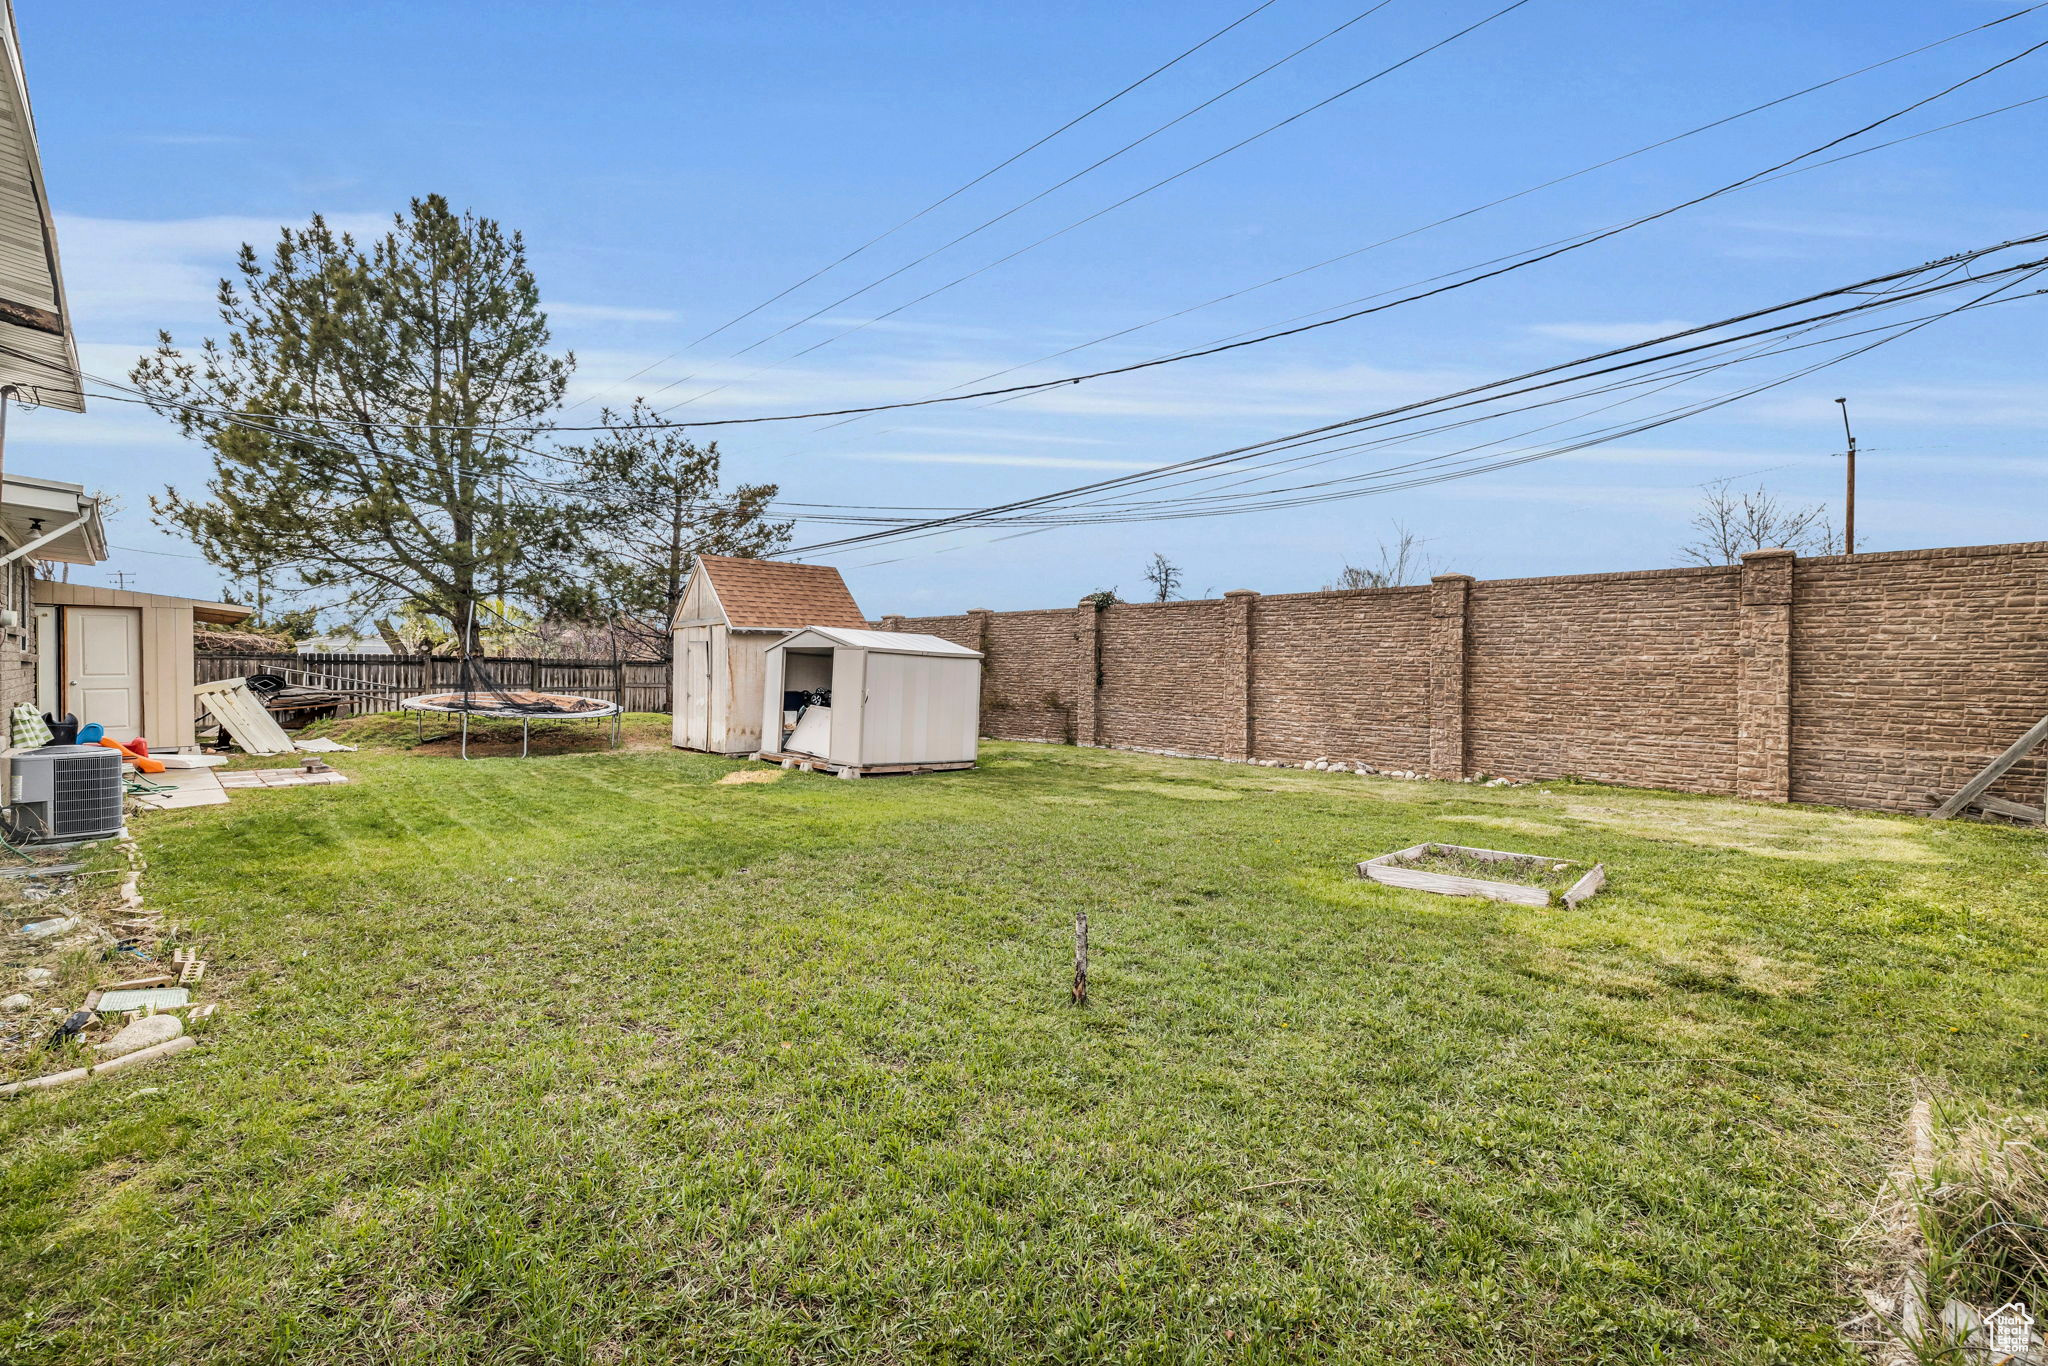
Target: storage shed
121, 658
732, 611
891, 702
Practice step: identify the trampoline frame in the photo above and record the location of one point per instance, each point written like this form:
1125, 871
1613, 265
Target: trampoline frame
421, 705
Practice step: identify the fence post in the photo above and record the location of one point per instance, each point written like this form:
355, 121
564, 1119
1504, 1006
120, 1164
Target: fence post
1088, 674
1449, 603
1763, 693
1239, 730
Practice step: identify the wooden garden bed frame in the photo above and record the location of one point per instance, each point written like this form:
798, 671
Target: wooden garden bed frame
1391, 870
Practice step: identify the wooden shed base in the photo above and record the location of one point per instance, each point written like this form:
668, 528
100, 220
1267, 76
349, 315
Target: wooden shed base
811, 762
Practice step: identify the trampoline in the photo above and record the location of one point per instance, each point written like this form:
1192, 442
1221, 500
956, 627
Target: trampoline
521, 704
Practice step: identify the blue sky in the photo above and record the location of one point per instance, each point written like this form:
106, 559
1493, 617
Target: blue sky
672, 165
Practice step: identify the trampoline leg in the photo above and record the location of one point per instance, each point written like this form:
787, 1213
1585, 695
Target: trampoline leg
617, 717
465, 735
419, 727
525, 724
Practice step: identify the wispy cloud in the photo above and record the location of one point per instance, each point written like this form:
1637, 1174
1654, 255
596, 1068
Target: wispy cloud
125, 273
610, 313
1608, 334
1023, 462
1044, 438
190, 139
1948, 405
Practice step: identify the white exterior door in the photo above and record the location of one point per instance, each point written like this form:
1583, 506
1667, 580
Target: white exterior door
103, 668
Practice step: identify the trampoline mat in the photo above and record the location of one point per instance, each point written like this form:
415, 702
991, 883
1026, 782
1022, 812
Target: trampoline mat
512, 702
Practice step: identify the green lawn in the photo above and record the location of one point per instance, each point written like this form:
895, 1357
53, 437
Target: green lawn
591, 1058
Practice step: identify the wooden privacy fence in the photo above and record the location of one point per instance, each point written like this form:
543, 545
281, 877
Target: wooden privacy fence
377, 682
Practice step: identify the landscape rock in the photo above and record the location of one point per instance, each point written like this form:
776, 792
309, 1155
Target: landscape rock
147, 1032
38, 974
20, 1000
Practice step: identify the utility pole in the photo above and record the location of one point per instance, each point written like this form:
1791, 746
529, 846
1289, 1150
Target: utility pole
121, 577
1849, 506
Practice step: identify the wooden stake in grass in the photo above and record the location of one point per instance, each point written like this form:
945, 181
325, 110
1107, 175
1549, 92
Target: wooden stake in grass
1080, 958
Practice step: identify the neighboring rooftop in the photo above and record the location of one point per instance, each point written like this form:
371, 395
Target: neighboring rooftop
775, 595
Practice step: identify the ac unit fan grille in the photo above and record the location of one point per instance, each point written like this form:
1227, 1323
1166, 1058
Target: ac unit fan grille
85, 795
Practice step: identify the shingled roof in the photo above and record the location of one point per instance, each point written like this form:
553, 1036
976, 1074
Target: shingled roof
774, 595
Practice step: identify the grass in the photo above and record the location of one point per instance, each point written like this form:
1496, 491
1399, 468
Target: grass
594, 1058
1983, 1214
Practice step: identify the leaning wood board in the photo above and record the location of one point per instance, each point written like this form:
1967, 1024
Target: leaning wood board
242, 716
1391, 869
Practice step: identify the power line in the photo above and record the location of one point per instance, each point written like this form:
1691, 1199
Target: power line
1533, 189
949, 196
986, 224
1155, 185
1496, 389
1098, 511
1529, 456
1551, 253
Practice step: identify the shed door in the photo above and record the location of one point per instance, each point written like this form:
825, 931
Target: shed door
697, 694
103, 668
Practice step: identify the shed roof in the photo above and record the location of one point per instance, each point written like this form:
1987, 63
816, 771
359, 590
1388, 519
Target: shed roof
775, 595
50, 592
877, 642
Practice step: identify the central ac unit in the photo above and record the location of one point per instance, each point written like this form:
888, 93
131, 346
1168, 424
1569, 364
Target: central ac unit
65, 792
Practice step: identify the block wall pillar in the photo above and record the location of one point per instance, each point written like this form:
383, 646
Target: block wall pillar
1763, 695
1087, 673
1240, 610
1450, 597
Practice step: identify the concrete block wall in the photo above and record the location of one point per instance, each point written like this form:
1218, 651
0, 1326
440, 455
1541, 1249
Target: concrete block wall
1868, 680
1912, 669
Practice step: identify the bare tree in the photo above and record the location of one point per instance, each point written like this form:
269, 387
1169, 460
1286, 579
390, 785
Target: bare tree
1164, 576
1730, 523
1400, 563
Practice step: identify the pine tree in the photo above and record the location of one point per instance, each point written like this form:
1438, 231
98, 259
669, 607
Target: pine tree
354, 413
650, 503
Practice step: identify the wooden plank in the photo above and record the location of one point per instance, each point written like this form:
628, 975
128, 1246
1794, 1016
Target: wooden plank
1999, 806
1417, 880
1587, 885
1391, 870
243, 717
1992, 772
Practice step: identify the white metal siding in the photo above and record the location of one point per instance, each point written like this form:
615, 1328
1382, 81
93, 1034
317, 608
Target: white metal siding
888, 708
921, 710
849, 704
